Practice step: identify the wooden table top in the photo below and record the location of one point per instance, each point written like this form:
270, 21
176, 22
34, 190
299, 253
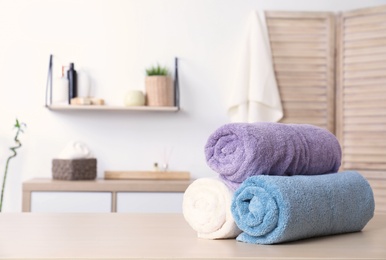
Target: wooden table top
162, 236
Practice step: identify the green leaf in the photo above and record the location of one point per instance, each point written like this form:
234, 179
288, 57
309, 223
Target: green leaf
157, 70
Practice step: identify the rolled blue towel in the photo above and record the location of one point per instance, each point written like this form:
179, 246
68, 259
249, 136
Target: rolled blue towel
240, 150
275, 209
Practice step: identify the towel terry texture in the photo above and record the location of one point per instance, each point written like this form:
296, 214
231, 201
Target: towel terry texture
275, 209
206, 207
254, 96
239, 150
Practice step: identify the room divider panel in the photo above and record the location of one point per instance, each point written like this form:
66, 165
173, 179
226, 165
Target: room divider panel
309, 49
361, 95
303, 47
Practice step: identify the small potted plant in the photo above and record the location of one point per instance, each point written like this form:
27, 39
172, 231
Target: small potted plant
159, 87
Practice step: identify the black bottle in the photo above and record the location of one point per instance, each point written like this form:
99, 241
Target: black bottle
72, 83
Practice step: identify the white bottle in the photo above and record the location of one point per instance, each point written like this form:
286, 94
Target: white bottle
60, 90
83, 84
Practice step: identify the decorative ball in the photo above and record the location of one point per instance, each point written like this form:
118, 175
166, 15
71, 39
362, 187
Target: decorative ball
135, 98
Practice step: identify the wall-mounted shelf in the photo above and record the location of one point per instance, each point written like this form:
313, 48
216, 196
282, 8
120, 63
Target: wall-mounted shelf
65, 107
110, 108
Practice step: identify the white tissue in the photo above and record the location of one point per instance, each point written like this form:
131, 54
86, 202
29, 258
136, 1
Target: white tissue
75, 150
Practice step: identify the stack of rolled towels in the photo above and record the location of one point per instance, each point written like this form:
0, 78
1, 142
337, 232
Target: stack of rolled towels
276, 183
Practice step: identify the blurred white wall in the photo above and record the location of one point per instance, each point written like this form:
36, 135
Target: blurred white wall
114, 40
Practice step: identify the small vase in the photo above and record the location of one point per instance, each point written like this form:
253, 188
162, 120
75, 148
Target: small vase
159, 91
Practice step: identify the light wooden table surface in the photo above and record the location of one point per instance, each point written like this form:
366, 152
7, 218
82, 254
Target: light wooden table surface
162, 236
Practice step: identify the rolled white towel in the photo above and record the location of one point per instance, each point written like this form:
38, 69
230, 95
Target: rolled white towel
206, 208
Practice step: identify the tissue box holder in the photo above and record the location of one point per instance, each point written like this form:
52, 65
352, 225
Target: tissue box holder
74, 169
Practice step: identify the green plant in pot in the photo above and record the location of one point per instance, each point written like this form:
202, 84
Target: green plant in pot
159, 87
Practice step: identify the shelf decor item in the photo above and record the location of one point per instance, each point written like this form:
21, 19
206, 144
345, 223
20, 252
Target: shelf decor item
74, 169
134, 98
75, 162
159, 87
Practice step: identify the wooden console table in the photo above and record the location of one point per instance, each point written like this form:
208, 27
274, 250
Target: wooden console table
162, 236
100, 185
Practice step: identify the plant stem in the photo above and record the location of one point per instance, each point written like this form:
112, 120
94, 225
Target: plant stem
13, 149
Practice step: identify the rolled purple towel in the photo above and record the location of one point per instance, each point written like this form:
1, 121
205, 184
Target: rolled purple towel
240, 150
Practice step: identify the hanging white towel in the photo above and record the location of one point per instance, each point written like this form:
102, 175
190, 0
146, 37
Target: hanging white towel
254, 94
